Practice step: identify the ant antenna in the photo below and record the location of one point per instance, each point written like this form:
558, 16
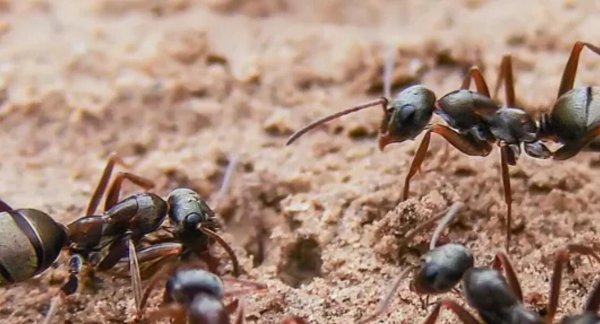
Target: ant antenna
387, 298
381, 101
450, 214
388, 67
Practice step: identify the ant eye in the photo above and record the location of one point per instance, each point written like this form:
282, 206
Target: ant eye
191, 221
407, 113
431, 273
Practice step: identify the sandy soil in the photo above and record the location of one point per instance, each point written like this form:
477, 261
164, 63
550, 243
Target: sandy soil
182, 87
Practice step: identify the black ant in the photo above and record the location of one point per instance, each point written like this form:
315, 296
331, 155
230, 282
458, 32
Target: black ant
497, 299
196, 296
475, 121
33, 240
100, 240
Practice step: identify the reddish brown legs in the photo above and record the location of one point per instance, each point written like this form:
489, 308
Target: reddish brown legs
462, 314
501, 262
114, 190
112, 196
101, 187
466, 144
504, 154
506, 75
562, 257
480, 84
568, 78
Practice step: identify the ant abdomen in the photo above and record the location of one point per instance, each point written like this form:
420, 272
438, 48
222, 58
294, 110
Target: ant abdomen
31, 242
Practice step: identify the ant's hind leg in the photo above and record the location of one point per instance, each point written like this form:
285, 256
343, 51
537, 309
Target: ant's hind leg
113, 159
112, 197
68, 288
480, 84
568, 78
466, 144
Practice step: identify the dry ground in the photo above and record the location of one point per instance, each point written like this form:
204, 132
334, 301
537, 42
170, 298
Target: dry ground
182, 87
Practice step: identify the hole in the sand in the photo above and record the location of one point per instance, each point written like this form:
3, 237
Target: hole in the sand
303, 262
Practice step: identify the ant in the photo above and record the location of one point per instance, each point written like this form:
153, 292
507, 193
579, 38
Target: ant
196, 296
102, 240
497, 299
474, 121
33, 240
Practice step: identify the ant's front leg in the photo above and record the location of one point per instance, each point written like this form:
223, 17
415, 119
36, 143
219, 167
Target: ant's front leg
68, 288
464, 143
463, 315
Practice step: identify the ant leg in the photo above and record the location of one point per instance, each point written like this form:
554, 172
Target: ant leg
506, 75
383, 102
112, 197
4, 207
502, 262
166, 267
571, 149
387, 298
101, 187
68, 288
562, 257
480, 84
464, 143
228, 249
593, 302
458, 310
504, 156
568, 77
175, 311
116, 251
134, 272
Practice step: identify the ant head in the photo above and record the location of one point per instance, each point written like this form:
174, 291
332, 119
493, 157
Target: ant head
186, 208
442, 268
407, 116
185, 285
